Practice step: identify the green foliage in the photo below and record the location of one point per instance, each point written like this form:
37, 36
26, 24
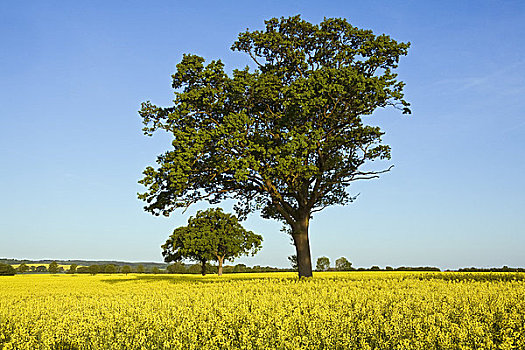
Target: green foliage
41, 268
211, 235
239, 268
323, 264
342, 264
72, 268
7, 270
287, 138
94, 269
83, 269
177, 267
126, 269
110, 268
195, 268
53, 267
22, 268
141, 269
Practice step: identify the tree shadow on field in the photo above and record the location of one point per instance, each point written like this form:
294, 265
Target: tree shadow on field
176, 278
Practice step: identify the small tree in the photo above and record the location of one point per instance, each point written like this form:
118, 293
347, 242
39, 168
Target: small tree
323, 264
239, 268
41, 268
141, 269
72, 268
94, 269
7, 270
22, 268
110, 268
342, 264
126, 269
53, 267
197, 268
177, 267
211, 235
83, 269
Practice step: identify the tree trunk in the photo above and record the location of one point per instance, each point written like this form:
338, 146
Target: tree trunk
203, 267
302, 246
219, 273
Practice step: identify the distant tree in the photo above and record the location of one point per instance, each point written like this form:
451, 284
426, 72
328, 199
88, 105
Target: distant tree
155, 270
211, 235
228, 269
83, 269
287, 138
22, 268
293, 261
141, 269
342, 264
323, 264
176, 267
389, 268
72, 268
7, 270
197, 268
94, 269
125, 269
375, 268
53, 267
32, 268
239, 268
41, 268
110, 268
211, 268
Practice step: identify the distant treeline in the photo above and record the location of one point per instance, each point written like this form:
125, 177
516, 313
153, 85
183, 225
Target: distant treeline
147, 265
180, 268
401, 268
96, 267
492, 269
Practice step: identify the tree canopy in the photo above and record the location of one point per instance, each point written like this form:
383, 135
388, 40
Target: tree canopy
7, 270
22, 268
286, 138
323, 264
342, 264
53, 267
211, 235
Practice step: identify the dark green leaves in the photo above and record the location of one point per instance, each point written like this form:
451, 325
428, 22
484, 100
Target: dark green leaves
287, 138
210, 235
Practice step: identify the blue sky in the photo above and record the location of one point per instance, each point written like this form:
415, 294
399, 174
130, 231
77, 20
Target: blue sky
73, 75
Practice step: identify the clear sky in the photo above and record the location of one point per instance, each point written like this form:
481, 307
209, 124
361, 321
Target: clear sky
73, 75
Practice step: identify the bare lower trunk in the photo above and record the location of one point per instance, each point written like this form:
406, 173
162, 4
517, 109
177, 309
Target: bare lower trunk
302, 246
203, 267
219, 273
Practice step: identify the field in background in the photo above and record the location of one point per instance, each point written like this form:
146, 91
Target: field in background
352, 310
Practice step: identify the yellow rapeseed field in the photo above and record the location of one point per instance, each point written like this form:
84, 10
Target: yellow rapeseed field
353, 310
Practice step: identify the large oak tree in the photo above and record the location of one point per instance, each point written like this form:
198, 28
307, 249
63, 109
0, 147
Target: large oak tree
286, 138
